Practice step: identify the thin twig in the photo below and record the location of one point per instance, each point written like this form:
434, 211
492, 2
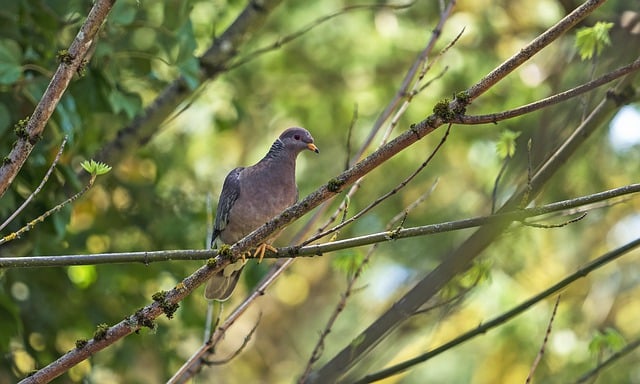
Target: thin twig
319, 347
544, 343
246, 340
506, 316
407, 81
382, 198
30, 225
39, 188
496, 183
550, 226
354, 119
315, 23
551, 100
606, 363
569, 206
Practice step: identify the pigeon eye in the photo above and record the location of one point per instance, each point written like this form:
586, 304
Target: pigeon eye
296, 137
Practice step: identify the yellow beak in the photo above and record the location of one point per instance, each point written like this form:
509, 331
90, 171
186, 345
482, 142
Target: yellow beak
312, 147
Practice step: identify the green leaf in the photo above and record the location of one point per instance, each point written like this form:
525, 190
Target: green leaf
10, 61
190, 70
348, 262
609, 339
506, 145
591, 40
129, 103
123, 13
95, 167
186, 61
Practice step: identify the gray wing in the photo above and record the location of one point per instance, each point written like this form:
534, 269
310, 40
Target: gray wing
228, 197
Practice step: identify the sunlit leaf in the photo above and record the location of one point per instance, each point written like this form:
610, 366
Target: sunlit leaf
506, 145
591, 41
94, 167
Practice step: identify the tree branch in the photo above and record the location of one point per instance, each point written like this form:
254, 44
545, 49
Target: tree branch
587, 377
538, 358
510, 314
192, 365
147, 257
551, 100
69, 64
460, 259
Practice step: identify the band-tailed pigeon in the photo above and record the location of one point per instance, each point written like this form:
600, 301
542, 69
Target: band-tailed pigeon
252, 196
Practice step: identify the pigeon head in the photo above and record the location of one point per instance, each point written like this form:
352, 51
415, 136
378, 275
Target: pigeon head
298, 139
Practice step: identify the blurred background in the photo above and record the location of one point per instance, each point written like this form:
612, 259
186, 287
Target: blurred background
155, 197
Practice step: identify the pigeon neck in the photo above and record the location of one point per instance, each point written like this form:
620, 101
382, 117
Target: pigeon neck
279, 151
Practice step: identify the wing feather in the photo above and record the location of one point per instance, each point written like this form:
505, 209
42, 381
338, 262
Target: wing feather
228, 197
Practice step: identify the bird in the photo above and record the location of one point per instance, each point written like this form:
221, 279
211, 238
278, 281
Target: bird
250, 197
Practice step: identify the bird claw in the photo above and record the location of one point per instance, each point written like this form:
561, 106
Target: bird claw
262, 248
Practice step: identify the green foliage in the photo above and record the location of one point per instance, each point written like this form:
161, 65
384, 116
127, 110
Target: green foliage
591, 41
95, 167
10, 61
506, 145
608, 340
347, 262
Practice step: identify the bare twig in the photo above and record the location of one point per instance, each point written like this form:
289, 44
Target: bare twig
460, 259
246, 340
510, 314
408, 79
319, 347
496, 183
354, 119
606, 363
418, 87
551, 100
382, 198
30, 225
315, 23
316, 249
544, 343
39, 188
559, 225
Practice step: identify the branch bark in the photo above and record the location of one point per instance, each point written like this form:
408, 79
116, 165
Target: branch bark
69, 65
460, 259
319, 249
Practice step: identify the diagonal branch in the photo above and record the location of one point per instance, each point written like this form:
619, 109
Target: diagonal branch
538, 358
460, 259
592, 374
69, 64
506, 316
192, 365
